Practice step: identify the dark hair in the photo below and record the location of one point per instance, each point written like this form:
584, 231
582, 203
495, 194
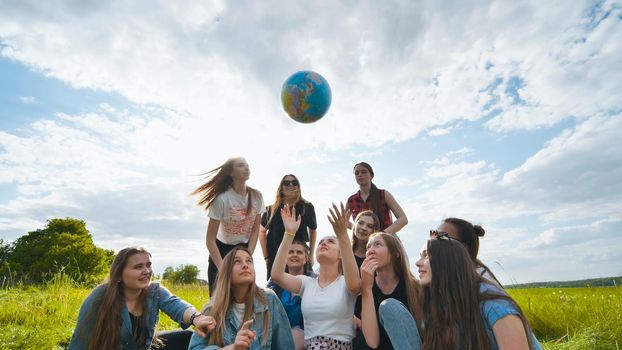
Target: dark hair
278, 200
218, 181
374, 192
469, 235
355, 241
106, 312
451, 303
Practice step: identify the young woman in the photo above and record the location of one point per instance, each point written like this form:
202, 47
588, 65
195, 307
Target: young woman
461, 310
365, 223
246, 316
385, 274
234, 210
298, 259
381, 202
327, 300
123, 312
468, 234
272, 229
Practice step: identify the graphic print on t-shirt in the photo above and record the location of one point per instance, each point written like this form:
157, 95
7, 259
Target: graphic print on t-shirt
236, 221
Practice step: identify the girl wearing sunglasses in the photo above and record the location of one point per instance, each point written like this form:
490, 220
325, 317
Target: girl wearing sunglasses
467, 234
460, 309
272, 230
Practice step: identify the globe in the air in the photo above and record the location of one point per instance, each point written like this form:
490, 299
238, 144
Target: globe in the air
306, 96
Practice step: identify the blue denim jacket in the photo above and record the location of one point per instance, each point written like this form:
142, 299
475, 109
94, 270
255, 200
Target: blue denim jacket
279, 332
159, 298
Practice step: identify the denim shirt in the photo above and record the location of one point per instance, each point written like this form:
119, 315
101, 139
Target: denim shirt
279, 332
159, 298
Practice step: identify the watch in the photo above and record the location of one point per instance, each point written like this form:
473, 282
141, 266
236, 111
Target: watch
194, 315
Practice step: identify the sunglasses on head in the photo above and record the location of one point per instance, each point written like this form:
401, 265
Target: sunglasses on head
290, 183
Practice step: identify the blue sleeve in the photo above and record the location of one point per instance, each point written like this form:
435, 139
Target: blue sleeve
172, 305
84, 326
281, 332
496, 309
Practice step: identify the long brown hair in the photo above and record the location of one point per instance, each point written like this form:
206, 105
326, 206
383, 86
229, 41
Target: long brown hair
469, 237
451, 303
401, 268
278, 200
106, 312
355, 241
374, 192
218, 181
223, 298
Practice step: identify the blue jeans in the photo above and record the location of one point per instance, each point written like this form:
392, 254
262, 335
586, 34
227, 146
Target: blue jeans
399, 325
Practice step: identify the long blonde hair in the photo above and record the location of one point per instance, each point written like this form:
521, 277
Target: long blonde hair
218, 181
402, 270
223, 298
278, 200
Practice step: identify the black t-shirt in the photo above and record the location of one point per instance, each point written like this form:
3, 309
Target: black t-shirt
399, 294
276, 229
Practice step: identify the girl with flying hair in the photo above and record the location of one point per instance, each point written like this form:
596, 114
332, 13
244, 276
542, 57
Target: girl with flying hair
271, 230
234, 210
123, 312
327, 301
468, 234
246, 316
381, 202
385, 274
460, 309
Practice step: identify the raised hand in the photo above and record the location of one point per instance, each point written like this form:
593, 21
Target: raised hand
290, 221
368, 271
204, 324
339, 220
245, 337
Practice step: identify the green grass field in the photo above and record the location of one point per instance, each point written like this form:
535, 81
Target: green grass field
570, 318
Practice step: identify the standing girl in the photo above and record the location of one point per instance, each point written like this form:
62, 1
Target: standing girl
246, 316
234, 210
123, 312
381, 202
271, 230
328, 299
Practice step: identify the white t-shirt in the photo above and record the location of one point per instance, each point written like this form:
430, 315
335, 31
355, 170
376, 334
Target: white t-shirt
235, 223
327, 311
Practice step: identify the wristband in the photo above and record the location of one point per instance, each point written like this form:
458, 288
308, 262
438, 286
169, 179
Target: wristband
290, 234
194, 315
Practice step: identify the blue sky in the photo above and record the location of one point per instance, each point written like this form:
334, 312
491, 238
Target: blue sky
504, 113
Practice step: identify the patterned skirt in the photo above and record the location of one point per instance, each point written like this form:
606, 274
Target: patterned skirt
327, 343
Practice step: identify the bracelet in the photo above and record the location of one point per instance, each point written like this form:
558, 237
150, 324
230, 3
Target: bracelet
290, 234
194, 315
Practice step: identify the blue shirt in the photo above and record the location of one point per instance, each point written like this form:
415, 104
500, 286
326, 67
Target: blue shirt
496, 309
279, 333
159, 298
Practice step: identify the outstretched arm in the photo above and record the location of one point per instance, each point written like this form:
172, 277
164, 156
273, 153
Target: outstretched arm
278, 274
339, 220
400, 217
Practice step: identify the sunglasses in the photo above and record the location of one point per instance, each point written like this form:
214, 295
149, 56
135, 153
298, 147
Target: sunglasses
290, 183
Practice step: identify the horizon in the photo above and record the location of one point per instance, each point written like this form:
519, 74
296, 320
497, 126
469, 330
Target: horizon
506, 114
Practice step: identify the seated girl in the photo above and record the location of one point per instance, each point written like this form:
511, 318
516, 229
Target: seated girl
123, 312
297, 264
461, 309
328, 299
245, 315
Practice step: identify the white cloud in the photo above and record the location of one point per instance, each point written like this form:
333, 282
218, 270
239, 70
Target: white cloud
28, 100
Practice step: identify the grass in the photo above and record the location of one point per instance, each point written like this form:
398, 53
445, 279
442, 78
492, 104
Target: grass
573, 318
